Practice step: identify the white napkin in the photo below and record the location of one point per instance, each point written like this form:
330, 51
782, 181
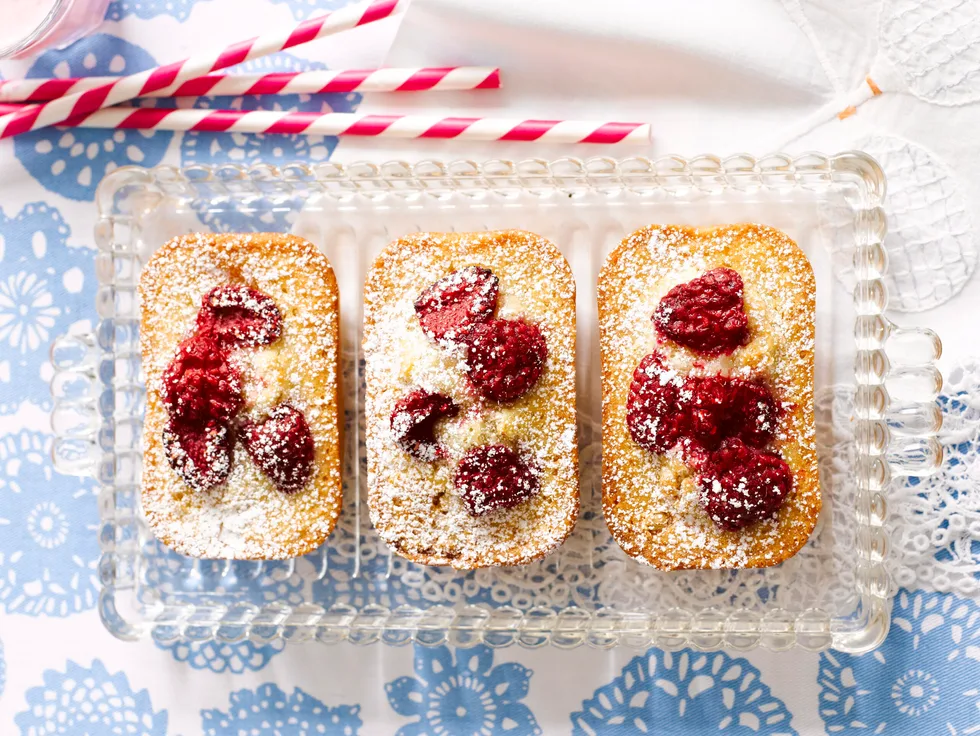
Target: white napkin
622, 60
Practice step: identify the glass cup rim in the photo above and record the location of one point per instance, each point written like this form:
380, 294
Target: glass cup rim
58, 10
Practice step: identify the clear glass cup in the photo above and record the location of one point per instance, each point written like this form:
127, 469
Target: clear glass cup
30, 26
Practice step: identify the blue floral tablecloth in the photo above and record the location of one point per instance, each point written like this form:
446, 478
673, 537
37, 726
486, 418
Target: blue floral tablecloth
62, 673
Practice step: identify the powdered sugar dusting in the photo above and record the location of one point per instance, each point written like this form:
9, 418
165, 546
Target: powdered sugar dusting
651, 502
449, 307
246, 517
240, 316
414, 505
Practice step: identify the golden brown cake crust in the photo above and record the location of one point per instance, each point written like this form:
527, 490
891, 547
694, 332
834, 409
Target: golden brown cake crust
414, 505
649, 500
245, 517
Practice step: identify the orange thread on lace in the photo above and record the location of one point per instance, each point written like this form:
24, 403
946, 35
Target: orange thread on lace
851, 109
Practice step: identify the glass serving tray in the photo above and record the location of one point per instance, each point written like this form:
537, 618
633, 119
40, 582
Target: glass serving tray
834, 593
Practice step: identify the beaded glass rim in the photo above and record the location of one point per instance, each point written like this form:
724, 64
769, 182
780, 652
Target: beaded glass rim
96, 382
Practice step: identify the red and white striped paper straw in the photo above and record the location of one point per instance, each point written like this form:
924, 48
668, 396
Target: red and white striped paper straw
58, 111
354, 124
279, 83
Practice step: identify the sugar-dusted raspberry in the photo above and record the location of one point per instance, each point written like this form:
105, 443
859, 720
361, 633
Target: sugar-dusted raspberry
414, 419
492, 477
504, 358
200, 385
705, 402
743, 485
653, 413
699, 412
200, 453
237, 316
706, 314
282, 446
752, 413
452, 305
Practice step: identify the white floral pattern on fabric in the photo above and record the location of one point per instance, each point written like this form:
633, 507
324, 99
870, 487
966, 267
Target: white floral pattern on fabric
28, 313
463, 694
72, 162
222, 657
918, 682
47, 525
89, 701
49, 547
936, 45
684, 692
40, 298
269, 711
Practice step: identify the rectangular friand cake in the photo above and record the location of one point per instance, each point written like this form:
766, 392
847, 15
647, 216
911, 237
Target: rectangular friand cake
239, 337
708, 439
469, 343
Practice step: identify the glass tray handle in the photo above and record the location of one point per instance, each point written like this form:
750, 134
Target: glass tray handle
74, 415
913, 383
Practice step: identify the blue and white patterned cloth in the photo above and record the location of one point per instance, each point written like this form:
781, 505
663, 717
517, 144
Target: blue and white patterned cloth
62, 673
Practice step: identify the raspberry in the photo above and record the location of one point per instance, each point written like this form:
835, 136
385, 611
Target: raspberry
201, 454
413, 423
706, 314
752, 413
700, 412
491, 477
453, 304
705, 403
282, 446
237, 316
743, 485
200, 385
653, 413
504, 358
